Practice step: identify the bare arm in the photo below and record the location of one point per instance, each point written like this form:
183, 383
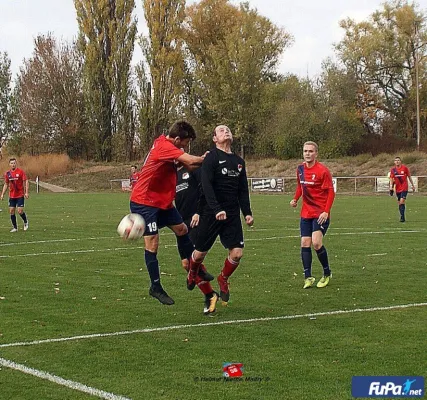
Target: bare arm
27, 187
189, 161
4, 190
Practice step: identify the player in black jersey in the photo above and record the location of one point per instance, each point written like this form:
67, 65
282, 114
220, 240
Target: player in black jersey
188, 203
226, 193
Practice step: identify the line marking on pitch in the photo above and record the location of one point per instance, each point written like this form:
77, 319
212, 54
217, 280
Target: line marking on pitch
61, 381
54, 253
219, 323
329, 234
248, 230
57, 241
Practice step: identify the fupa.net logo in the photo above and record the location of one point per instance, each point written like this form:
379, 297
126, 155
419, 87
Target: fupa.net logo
387, 386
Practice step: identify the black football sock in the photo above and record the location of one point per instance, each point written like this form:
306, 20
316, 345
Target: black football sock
402, 210
306, 261
152, 267
24, 217
13, 219
322, 255
185, 246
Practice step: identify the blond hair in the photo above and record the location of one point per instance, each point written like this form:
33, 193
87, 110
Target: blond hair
312, 144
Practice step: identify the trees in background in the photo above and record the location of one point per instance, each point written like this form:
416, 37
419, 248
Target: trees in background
8, 115
161, 72
214, 62
50, 102
381, 53
107, 32
232, 53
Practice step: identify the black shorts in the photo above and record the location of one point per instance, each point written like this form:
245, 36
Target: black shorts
229, 231
192, 232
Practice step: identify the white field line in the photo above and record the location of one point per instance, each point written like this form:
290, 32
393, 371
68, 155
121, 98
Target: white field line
60, 381
220, 323
57, 241
248, 230
54, 253
329, 234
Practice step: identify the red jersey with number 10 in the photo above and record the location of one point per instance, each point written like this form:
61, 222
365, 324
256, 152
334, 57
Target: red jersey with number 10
156, 185
315, 186
400, 176
15, 178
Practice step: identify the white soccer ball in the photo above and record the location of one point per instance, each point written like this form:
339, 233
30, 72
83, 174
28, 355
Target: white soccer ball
132, 227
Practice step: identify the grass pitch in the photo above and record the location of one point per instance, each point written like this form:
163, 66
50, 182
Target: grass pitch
69, 278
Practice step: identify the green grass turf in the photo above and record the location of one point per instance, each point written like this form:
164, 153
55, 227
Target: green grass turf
71, 275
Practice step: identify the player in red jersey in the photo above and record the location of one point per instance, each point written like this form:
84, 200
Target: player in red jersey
133, 178
399, 176
314, 184
153, 194
16, 180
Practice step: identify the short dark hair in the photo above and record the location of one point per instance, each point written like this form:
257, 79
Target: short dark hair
395, 158
183, 130
12, 159
134, 166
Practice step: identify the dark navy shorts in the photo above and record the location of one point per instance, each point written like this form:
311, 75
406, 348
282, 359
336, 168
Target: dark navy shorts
402, 195
310, 225
156, 218
18, 202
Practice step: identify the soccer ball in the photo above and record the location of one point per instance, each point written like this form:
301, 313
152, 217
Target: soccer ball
132, 227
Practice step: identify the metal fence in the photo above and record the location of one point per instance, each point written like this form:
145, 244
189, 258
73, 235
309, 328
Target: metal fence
343, 184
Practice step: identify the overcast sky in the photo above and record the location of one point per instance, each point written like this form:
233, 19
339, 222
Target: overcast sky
313, 23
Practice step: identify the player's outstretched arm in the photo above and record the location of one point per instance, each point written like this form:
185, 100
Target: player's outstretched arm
190, 161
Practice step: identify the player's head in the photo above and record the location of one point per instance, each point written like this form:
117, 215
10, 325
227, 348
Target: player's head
182, 133
310, 150
397, 161
12, 163
133, 169
222, 134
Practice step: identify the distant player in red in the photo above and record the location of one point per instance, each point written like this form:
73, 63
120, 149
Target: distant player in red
399, 176
16, 180
314, 184
133, 178
153, 194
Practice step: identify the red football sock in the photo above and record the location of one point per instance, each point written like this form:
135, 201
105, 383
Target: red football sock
194, 269
204, 286
229, 267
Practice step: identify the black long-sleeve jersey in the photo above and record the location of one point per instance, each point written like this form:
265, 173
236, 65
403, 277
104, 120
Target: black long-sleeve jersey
188, 188
225, 184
